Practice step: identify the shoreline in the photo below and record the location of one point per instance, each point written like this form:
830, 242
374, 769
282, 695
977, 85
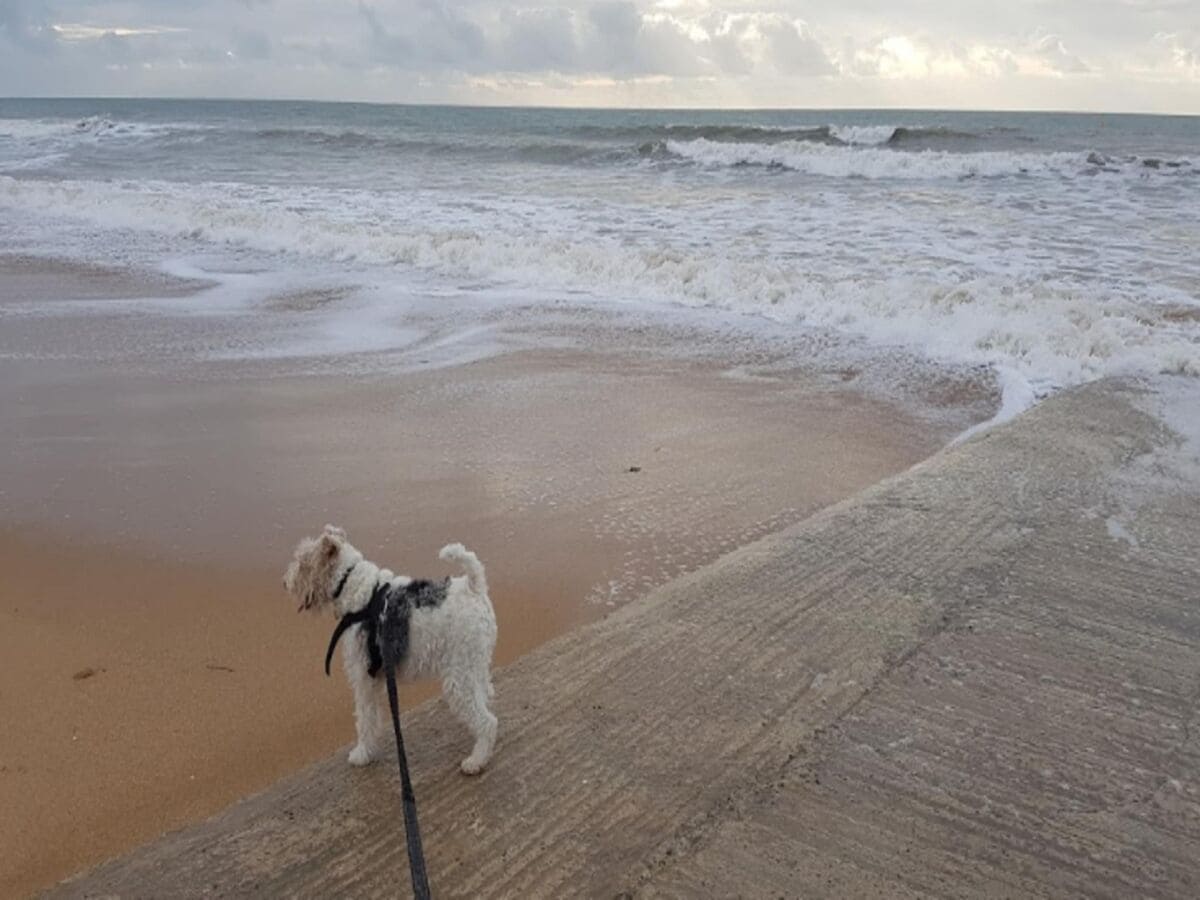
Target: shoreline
175, 502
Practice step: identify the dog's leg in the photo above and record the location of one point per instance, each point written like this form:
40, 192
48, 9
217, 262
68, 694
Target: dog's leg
369, 708
467, 698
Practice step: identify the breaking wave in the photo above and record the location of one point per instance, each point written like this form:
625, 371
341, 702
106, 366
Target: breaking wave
591, 143
832, 135
864, 134
832, 150
90, 127
874, 162
1045, 329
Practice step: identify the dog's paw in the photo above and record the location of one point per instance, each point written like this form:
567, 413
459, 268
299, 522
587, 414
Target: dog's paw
471, 766
360, 756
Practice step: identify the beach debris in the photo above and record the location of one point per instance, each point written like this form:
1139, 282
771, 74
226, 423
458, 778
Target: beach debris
86, 673
634, 469
216, 668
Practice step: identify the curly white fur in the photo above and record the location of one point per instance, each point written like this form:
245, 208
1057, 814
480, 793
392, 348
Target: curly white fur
453, 640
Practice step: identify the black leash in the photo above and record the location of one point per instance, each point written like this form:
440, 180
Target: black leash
412, 830
387, 637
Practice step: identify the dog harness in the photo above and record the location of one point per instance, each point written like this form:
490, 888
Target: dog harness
397, 604
368, 618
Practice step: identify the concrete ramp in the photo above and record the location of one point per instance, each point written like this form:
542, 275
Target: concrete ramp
966, 681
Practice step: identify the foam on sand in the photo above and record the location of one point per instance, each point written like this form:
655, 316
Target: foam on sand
1045, 332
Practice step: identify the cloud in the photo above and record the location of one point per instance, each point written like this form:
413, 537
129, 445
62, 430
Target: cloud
251, 45
609, 38
895, 56
26, 25
1139, 53
902, 57
432, 36
1179, 55
538, 39
70, 31
992, 62
792, 49
619, 40
725, 48
1169, 58
1049, 50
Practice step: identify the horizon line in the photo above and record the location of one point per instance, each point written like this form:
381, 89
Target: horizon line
605, 108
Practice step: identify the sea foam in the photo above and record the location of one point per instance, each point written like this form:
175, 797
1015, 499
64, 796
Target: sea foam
1045, 331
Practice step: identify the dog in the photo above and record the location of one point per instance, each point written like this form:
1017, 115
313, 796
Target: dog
451, 634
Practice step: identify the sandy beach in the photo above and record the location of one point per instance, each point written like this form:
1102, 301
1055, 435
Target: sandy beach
152, 666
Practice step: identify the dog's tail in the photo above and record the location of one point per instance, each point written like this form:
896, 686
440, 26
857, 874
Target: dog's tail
469, 561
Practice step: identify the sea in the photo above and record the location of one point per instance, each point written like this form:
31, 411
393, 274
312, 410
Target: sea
1049, 248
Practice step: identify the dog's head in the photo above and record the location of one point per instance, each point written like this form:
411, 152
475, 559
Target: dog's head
316, 563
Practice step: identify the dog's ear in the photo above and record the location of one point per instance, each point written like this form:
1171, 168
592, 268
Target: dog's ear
330, 545
335, 531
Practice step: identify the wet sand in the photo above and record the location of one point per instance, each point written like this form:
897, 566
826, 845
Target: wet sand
152, 666
49, 280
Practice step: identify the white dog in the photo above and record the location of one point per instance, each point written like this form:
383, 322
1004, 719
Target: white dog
451, 633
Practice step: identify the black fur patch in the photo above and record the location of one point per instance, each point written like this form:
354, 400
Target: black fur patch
398, 604
423, 593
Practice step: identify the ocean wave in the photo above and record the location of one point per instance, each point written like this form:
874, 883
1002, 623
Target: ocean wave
838, 135
615, 145
533, 149
33, 129
64, 135
939, 137
347, 139
705, 144
96, 128
1049, 330
586, 141
761, 134
882, 162
31, 163
864, 134
910, 137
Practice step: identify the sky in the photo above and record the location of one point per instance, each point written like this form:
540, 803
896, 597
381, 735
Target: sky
1104, 55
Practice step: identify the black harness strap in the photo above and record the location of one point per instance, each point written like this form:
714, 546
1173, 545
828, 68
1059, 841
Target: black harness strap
368, 617
337, 591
